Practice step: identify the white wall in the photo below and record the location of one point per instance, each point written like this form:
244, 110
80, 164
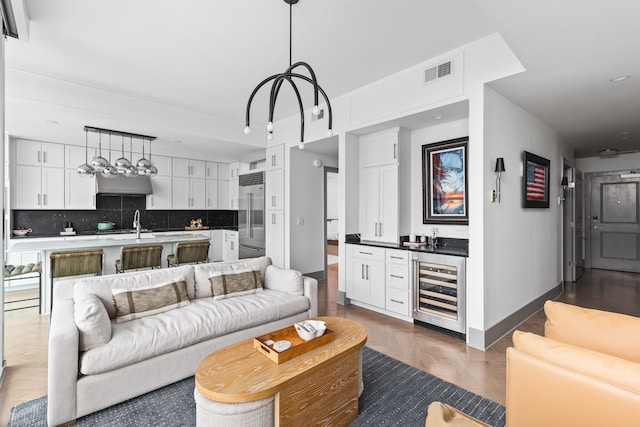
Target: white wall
307, 240
420, 137
522, 248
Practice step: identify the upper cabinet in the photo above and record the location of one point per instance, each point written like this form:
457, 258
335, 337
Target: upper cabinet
36, 153
380, 148
385, 185
161, 198
275, 157
188, 168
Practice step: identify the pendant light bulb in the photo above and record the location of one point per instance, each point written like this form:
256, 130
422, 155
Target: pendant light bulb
122, 163
329, 132
315, 111
99, 163
247, 130
270, 126
270, 136
301, 146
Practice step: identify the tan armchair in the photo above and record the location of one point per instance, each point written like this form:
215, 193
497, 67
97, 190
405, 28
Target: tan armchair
585, 371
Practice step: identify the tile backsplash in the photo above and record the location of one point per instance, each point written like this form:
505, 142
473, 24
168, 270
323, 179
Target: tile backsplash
120, 210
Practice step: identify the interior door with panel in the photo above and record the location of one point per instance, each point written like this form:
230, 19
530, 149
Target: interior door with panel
614, 223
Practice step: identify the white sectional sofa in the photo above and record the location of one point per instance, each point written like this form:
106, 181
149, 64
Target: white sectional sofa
95, 361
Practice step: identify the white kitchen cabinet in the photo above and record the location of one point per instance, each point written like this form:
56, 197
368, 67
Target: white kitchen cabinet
161, 198
234, 170
379, 204
75, 156
212, 194
275, 157
274, 236
163, 163
274, 189
234, 194
36, 153
230, 245
397, 281
215, 250
211, 170
380, 148
223, 172
79, 192
38, 188
223, 195
189, 168
366, 275
188, 193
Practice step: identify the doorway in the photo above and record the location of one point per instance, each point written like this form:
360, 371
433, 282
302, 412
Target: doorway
613, 219
331, 215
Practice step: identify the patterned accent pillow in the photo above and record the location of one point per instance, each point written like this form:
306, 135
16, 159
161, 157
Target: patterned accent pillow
238, 283
141, 302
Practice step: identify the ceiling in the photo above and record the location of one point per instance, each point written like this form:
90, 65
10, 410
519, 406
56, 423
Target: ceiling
183, 71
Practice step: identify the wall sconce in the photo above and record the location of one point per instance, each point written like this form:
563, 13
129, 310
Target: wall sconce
498, 171
317, 163
564, 184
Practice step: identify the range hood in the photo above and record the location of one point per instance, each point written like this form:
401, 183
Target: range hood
121, 185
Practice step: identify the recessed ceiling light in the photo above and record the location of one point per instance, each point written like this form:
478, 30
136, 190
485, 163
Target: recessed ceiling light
177, 141
51, 122
626, 132
436, 117
619, 78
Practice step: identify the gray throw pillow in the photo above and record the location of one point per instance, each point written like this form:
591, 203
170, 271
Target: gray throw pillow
92, 321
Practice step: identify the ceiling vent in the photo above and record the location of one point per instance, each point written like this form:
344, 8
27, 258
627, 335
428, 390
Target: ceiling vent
437, 72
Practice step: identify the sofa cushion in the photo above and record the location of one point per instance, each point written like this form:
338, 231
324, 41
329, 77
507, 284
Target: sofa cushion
227, 285
92, 321
284, 280
141, 302
202, 272
102, 285
201, 320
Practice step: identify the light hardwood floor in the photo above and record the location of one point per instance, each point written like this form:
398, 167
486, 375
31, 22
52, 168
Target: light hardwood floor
449, 358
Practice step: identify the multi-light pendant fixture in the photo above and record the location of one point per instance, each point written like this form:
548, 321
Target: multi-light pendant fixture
289, 75
122, 165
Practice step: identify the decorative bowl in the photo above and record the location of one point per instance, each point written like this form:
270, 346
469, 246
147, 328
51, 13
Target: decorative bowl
310, 329
22, 232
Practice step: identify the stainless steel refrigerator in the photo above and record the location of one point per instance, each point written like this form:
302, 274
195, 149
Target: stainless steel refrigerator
251, 215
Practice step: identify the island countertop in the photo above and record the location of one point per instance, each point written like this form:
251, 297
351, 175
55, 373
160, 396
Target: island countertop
99, 241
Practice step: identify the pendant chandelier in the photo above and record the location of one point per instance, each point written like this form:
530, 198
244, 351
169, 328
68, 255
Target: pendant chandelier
289, 75
122, 165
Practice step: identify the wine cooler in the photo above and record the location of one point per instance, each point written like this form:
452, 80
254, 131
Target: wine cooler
439, 290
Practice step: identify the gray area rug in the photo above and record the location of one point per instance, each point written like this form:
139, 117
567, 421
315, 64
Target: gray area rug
395, 394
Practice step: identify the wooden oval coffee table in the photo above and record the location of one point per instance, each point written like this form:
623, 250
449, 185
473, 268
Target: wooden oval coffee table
319, 387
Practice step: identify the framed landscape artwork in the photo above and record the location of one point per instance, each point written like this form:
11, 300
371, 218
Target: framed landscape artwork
535, 181
444, 182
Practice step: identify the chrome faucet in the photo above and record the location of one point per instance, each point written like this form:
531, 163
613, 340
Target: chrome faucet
136, 223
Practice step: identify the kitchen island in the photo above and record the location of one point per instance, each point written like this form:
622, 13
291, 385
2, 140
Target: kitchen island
110, 243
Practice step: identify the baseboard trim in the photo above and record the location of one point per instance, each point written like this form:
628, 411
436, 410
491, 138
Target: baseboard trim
341, 298
511, 322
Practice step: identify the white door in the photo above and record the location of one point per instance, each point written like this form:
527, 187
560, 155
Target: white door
27, 191
52, 188
198, 193
615, 226
212, 193
388, 210
180, 192
161, 197
369, 203
80, 193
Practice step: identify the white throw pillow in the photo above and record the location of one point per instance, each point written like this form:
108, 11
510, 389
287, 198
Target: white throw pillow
279, 279
93, 322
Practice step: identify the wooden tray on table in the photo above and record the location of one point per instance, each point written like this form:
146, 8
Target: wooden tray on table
298, 345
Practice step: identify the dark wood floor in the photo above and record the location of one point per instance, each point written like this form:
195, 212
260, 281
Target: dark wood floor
26, 335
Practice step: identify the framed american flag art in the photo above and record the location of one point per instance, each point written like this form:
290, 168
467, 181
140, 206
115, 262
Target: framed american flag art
535, 181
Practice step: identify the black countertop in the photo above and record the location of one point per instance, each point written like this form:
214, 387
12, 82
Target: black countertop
445, 246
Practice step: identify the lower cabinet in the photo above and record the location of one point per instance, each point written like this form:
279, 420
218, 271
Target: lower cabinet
398, 282
380, 278
365, 275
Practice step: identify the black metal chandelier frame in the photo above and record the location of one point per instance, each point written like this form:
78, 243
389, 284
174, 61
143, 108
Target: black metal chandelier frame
288, 76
